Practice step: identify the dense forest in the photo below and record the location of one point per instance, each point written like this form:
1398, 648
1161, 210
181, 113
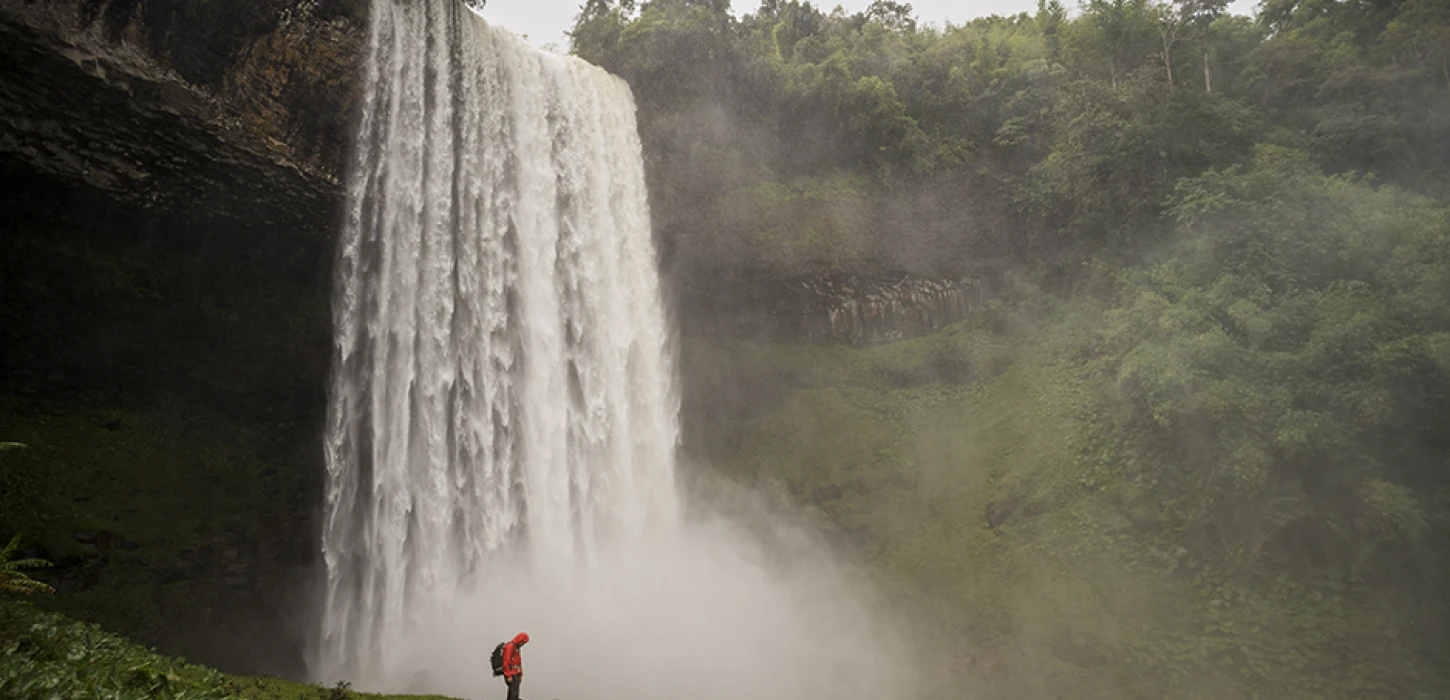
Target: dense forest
1194, 445
801, 140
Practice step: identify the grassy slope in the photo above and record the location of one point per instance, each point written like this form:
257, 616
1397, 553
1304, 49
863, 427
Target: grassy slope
44, 655
166, 508
972, 465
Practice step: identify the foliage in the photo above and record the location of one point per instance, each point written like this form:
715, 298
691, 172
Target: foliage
1219, 472
44, 655
1039, 138
13, 579
142, 508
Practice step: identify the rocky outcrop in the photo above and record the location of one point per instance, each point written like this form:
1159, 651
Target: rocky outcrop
98, 93
197, 147
864, 312
828, 309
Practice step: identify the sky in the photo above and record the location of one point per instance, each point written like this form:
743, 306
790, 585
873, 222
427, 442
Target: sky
544, 22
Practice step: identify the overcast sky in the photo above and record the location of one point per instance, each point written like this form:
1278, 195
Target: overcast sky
545, 21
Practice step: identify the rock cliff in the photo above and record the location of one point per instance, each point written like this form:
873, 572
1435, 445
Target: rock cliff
850, 309
170, 176
183, 107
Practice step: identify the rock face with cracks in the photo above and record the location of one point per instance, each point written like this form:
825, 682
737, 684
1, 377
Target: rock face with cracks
98, 94
849, 309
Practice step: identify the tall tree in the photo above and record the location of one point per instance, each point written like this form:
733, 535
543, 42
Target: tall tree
1186, 20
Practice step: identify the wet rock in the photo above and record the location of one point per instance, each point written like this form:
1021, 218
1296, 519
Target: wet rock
998, 512
103, 540
70, 581
862, 312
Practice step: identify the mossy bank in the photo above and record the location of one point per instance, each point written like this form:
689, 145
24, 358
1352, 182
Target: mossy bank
44, 655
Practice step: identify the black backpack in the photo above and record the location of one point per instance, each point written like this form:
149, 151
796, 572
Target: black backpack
497, 659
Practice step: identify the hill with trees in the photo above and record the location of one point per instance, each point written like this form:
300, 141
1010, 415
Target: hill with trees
1194, 445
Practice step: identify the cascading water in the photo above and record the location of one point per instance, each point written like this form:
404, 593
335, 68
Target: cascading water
502, 420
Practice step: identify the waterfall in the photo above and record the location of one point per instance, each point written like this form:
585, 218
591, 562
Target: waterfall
501, 373
503, 420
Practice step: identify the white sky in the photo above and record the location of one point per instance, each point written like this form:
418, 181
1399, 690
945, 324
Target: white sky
545, 21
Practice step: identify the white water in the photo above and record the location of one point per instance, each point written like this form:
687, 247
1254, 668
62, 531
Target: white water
503, 419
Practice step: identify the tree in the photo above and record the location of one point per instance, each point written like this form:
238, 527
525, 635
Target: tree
1186, 20
1422, 29
1051, 16
13, 579
896, 16
1120, 32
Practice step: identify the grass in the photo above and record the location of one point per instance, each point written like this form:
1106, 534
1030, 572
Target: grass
141, 509
143, 478
46, 655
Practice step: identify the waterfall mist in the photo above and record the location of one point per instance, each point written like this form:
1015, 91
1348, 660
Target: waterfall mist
503, 417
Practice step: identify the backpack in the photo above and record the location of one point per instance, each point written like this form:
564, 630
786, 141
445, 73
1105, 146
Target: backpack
497, 659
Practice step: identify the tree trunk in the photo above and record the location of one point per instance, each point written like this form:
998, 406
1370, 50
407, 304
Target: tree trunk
1207, 75
1167, 55
1113, 73
1445, 68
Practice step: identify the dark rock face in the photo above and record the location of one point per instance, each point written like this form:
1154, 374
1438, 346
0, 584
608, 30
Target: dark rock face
170, 177
192, 148
89, 96
863, 312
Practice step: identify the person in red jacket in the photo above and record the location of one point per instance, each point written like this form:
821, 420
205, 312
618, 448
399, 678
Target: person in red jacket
513, 664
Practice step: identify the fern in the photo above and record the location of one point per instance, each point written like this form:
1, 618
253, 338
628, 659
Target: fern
13, 579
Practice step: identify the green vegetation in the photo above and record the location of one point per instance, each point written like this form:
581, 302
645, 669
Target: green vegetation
13, 579
141, 509
1221, 474
799, 140
1196, 446
44, 655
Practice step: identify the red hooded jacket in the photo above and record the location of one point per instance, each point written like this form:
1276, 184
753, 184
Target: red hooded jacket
513, 663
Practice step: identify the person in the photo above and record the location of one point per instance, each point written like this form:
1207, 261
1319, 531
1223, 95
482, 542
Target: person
513, 665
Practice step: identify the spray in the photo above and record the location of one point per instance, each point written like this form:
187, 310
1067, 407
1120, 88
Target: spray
503, 418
